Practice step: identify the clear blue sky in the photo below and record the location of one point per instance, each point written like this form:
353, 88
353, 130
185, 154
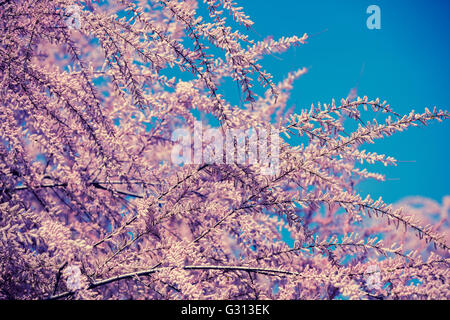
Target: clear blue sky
406, 63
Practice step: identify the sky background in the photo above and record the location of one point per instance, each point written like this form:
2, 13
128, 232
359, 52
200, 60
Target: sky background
406, 62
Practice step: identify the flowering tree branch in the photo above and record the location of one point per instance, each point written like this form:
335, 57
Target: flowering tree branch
105, 168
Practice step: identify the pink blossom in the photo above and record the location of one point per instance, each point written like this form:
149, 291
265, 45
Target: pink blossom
93, 207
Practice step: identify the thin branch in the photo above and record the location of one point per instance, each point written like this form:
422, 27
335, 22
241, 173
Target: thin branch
266, 271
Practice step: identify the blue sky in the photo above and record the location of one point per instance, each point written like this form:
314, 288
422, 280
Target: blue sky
406, 62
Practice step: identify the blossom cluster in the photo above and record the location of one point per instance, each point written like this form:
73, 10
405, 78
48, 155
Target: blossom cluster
92, 207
